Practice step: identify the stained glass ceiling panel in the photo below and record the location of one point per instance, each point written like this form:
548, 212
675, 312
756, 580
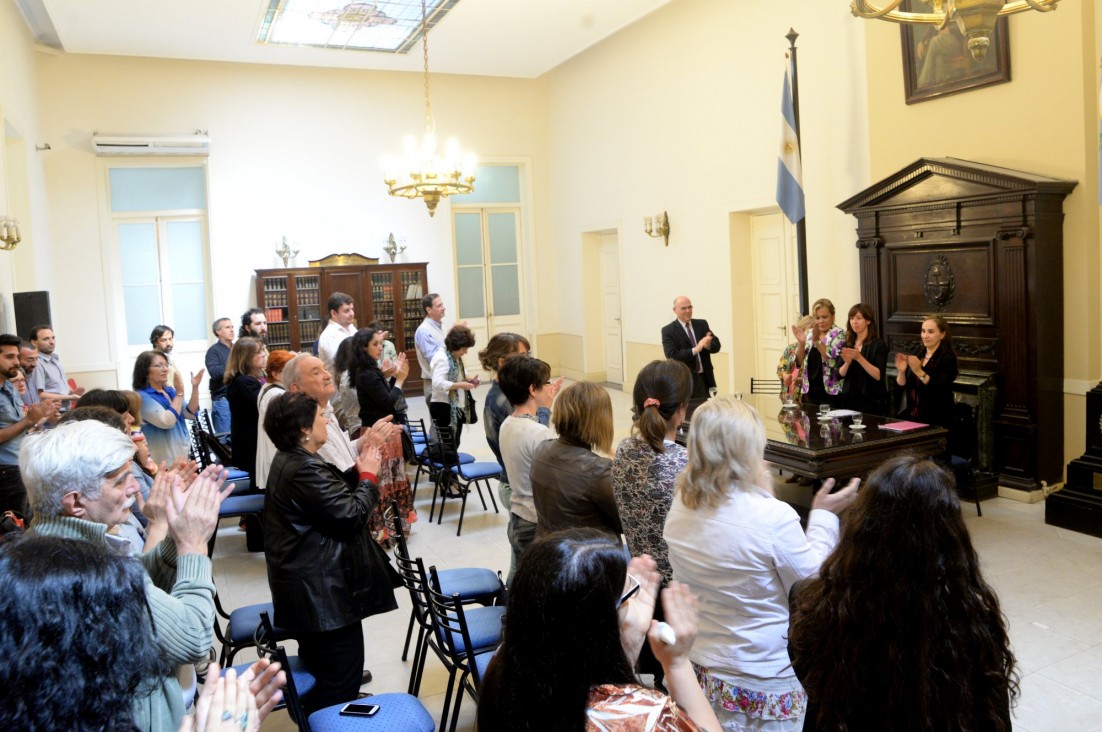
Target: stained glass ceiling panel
387, 26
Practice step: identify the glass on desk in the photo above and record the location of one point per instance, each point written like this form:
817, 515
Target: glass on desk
858, 420
823, 409
712, 391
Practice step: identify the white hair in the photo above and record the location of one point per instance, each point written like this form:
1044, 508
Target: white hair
291, 368
76, 456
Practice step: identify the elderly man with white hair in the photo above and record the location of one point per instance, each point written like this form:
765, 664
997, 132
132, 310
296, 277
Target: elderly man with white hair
79, 482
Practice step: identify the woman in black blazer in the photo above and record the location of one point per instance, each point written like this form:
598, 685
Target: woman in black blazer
325, 572
244, 369
378, 395
928, 378
865, 364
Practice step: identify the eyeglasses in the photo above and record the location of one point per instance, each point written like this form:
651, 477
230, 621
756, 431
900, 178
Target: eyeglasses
632, 592
159, 366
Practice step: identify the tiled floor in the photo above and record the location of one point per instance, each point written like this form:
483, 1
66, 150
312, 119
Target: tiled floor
1048, 580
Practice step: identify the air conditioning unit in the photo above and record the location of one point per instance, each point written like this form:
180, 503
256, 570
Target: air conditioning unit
197, 144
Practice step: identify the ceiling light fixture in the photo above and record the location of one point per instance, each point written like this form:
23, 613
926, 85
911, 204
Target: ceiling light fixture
975, 18
423, 172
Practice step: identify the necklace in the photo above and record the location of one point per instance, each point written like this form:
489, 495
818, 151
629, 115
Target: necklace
525, 415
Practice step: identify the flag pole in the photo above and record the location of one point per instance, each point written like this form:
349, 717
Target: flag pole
801, 225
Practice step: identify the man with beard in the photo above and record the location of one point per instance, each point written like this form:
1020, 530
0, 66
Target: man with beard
254, 325
162, 339
49, 377
13, 425
28, 359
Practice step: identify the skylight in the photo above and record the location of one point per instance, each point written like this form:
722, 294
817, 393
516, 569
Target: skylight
387, 26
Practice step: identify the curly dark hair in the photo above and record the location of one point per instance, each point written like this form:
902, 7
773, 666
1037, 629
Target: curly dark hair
78, 635
561, 634
357, 358
900, 625
460, 336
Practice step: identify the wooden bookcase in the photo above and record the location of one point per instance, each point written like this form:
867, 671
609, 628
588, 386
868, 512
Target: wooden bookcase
293, 301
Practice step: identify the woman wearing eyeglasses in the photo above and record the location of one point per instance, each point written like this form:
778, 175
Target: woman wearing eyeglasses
741, 550
163, 409
579, 613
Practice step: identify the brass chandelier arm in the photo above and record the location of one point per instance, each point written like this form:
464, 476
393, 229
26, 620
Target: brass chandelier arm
869, 9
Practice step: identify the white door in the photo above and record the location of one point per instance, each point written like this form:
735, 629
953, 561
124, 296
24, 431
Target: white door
610, 307
488, 272
776, 300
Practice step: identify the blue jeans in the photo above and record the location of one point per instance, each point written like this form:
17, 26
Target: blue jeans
220, 415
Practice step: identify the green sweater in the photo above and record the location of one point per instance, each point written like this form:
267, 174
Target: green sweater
180, 593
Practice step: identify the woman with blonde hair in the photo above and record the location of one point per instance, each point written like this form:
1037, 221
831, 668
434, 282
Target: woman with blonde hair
741, 550
571, 482
819, 355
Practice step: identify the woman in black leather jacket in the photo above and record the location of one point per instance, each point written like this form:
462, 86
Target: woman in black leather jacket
325, 572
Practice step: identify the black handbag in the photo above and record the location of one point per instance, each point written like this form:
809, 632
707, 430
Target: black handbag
472, 408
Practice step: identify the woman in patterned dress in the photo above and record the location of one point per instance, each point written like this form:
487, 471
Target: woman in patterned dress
648, 462
578, 614
819, 355
741, 550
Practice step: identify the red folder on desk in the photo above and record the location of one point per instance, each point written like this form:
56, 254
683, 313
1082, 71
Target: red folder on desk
902, 426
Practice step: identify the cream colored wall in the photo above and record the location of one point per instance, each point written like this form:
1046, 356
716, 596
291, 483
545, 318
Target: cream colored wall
295, 153
681, 112
22, 185
1044, 121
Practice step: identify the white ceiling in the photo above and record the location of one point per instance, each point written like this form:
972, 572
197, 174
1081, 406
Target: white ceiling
520, 38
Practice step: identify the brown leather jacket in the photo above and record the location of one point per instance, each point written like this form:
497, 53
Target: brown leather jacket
572, 488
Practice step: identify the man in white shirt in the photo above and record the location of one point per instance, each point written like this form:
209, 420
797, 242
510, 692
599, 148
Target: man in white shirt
429, 338
523, 380
342, 317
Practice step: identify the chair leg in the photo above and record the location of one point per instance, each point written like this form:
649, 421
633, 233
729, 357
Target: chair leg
462, 509
448, 700
493, 500
478, 486
418, 659
458, 702
419, 671
435, 491
409, 633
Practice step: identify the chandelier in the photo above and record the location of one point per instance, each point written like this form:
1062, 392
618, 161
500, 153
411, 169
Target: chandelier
975, 18
423, 172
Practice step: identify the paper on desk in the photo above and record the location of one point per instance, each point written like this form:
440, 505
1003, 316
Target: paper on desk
835, 413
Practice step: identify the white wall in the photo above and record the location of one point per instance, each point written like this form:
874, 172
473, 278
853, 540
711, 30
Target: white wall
295, 152
681, 112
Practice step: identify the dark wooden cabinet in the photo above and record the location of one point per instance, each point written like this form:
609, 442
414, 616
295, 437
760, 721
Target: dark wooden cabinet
983, 247
293, 301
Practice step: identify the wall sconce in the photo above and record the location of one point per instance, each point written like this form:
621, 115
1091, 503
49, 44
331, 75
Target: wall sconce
9, 233
658, 226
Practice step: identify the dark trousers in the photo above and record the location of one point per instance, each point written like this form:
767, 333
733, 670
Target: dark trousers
336, 659
441, 413
13, 496
700, 388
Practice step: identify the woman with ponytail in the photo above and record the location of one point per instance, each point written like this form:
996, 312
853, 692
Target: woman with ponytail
647, 462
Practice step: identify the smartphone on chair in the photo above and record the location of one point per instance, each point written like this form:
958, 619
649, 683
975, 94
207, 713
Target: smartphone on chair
356, 709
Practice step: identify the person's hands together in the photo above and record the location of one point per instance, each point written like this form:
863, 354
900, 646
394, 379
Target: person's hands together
848, 354
178, 382
227, 704
369, 459
154, 507
838, 502
900, 362
192, 525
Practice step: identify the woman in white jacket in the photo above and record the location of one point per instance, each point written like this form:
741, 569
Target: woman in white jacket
741, 550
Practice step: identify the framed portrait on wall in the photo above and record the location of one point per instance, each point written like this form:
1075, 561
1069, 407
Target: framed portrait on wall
937, 62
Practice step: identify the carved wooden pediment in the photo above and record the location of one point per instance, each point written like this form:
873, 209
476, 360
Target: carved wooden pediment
947, 180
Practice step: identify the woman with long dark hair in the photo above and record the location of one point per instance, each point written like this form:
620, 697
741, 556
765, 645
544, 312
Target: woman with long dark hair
577, 616
78, 636
899, 630
864, 364
927, 377
244, 370
648, 462
379, 397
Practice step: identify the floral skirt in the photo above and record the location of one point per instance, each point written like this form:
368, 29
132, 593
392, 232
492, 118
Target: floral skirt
762, 704
393, 486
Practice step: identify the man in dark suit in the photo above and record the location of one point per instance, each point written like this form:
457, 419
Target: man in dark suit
690, 342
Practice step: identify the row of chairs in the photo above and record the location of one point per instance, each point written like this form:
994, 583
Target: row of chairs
452, 473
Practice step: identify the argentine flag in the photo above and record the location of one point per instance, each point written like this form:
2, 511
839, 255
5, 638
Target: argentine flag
790, 184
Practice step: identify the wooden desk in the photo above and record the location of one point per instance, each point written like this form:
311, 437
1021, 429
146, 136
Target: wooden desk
799, 442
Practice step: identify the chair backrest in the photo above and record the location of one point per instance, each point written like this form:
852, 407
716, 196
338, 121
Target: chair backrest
963, 437
442, 450
765, 386
451, 626
411, 570
266, 646
197, 452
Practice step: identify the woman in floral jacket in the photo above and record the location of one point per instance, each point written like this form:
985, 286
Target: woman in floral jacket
819, 355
